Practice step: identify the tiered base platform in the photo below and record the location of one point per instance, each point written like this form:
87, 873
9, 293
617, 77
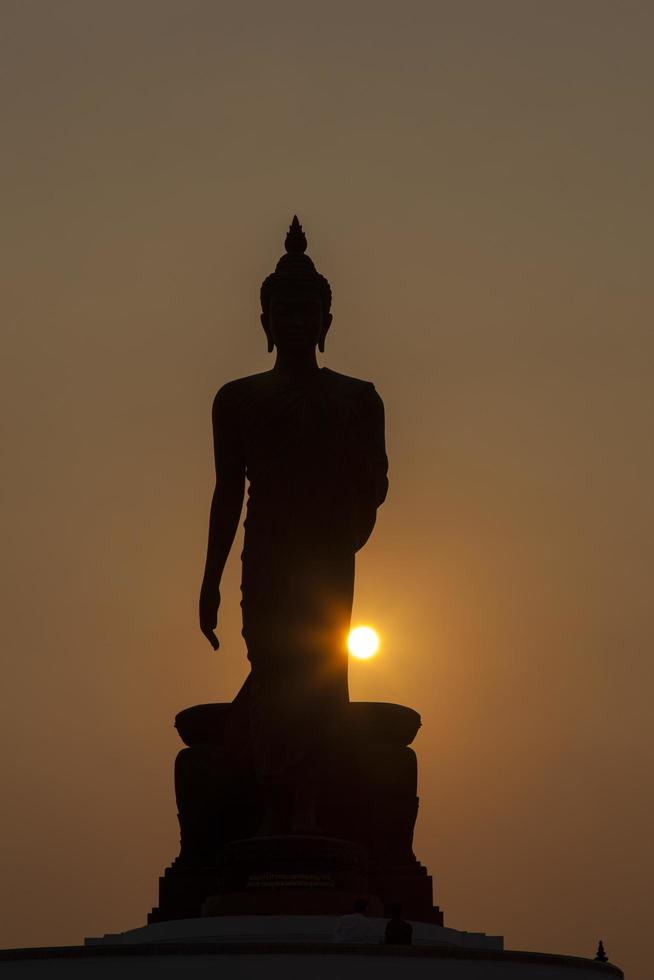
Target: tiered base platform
290, 948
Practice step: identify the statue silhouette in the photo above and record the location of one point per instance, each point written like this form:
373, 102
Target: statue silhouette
310, 443
292, 799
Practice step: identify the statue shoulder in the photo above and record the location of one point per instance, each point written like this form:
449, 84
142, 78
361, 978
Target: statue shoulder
349, 384
235, 393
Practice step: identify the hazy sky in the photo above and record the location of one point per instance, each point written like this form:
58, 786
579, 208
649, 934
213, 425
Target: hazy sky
475, 179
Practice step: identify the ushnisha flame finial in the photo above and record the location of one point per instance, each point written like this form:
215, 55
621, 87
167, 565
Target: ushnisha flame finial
295, 270
296, 240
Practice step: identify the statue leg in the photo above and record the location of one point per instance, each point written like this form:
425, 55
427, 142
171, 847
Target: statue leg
296, 638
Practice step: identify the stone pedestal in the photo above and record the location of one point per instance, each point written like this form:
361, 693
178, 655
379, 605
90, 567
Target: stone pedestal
367, 808
291, 876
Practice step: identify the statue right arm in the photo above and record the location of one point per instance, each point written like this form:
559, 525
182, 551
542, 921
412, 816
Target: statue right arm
370, 465
226, 507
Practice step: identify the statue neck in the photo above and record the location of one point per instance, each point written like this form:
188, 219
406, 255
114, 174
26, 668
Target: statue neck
296, 364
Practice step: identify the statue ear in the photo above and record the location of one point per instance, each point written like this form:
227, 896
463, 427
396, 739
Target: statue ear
325, 330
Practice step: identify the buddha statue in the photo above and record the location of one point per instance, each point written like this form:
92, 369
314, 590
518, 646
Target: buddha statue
292, 799
310, 444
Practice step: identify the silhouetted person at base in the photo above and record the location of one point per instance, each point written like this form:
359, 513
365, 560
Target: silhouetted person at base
398, 931
355, 927
310, 442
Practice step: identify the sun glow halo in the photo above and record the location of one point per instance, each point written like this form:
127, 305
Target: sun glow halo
363, 642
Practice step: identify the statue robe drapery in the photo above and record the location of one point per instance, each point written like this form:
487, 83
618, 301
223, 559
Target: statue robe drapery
314, 456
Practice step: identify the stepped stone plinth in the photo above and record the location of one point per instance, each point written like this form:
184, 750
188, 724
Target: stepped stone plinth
367, 810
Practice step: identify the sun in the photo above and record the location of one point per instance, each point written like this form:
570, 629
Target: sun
363, 642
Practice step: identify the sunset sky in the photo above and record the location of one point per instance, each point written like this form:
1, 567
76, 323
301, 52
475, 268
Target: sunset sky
475, 179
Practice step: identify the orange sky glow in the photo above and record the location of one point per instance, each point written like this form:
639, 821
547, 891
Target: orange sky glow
475, 180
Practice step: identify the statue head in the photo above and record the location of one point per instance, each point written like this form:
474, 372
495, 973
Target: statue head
295, 298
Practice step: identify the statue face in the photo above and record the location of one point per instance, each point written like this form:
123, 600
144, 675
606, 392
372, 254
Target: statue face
296, 320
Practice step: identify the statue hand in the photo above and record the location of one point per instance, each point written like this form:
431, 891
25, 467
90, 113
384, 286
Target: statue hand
209, 604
